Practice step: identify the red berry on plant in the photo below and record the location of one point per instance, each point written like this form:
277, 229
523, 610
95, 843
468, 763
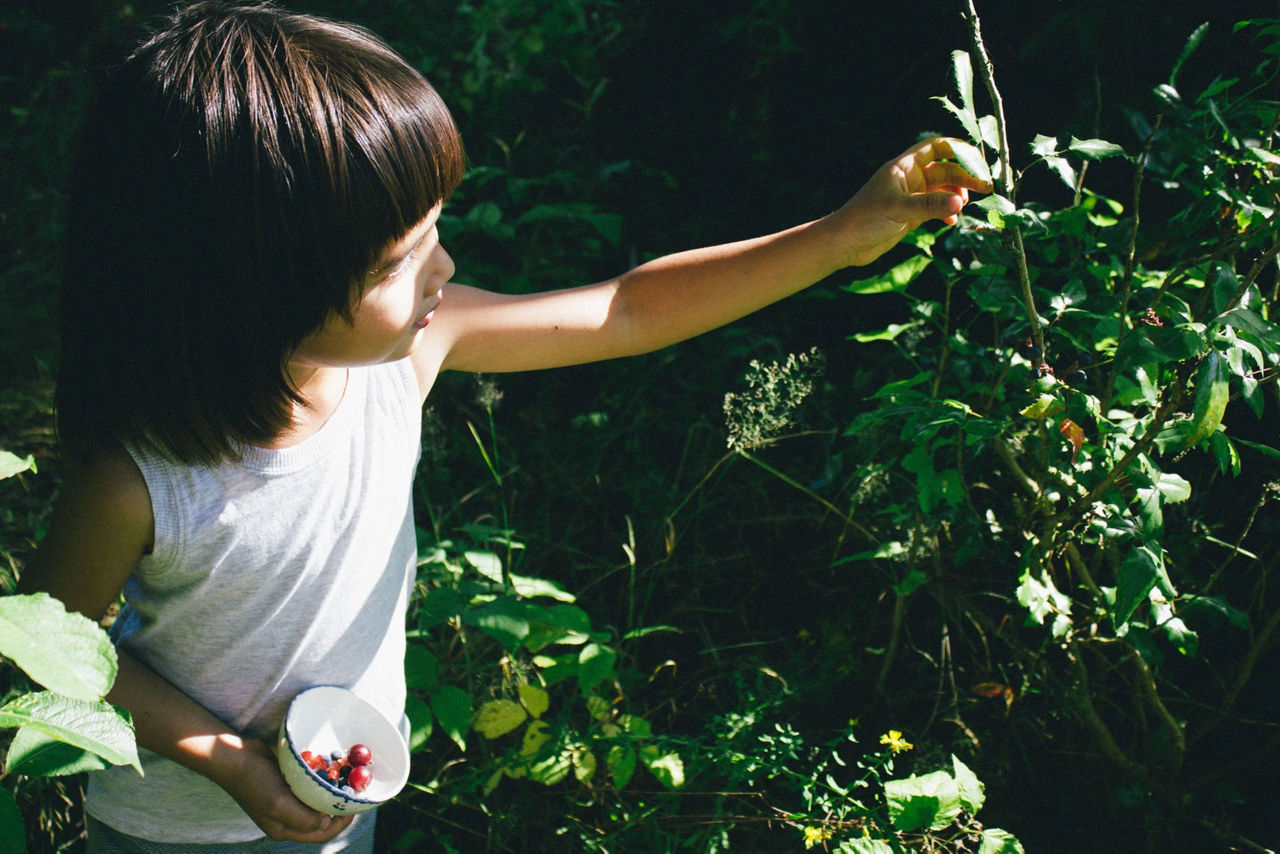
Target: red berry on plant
360, 755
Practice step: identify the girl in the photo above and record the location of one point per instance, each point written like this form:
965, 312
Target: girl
256, 304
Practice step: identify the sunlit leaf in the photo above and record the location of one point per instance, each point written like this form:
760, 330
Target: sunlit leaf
1212, 392
893, 280
1193, 42
82, 664
1095, 149
970, 157
10, 464
972, 791
534, 699
496, 718
96, 725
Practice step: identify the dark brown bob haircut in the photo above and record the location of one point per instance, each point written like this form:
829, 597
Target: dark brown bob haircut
239, 175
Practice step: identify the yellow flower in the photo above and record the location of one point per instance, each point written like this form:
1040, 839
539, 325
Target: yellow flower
815, 835
896, 742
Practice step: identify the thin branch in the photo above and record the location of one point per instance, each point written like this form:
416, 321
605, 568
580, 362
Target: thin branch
1005, 183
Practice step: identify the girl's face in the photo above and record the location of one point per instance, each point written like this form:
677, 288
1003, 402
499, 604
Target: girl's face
398, 302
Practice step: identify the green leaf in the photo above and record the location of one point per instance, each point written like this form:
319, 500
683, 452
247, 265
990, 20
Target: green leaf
896, 279
1041, 597
970, 157
1095, 149
95, 726
621, 760
892, 331
931, 800
667, 767
505, 619
962, 67
861, 845
997, 841
65, 652
1044, 146
1064, 170
421, 667
452, 708
1142, 569
33, 753
1212, 393
1197, 36
13, 835
914, 580
11, 464
595, 664
421, 722
1245, 320
972, 792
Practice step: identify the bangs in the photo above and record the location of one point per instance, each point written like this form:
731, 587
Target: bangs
399, 155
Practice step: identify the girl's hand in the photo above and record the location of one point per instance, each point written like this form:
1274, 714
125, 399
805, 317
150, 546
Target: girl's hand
252, 777
921, 184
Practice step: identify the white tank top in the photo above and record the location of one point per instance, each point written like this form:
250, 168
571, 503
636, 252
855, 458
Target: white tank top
288, 569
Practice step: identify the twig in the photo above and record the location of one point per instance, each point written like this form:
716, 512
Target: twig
1004, 177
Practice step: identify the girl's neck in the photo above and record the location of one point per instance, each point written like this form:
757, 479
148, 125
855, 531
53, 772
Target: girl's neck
322, 390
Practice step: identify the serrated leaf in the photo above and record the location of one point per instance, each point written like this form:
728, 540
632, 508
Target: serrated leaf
81, 664
1193, 42
962, 67
970, 157
1095, 149
92, 725
1044, 146
1063, 169
33, 753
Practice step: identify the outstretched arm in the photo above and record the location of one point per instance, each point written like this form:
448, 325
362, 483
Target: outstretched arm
682, 295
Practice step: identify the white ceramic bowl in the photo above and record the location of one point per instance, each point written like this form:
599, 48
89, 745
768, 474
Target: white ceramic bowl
327, 718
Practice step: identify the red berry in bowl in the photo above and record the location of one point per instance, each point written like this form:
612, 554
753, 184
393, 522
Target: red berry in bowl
360, 755
360, 778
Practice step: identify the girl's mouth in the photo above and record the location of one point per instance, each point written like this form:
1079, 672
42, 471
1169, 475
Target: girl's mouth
421, 322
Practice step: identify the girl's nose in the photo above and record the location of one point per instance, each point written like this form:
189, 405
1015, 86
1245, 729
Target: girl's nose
446, 264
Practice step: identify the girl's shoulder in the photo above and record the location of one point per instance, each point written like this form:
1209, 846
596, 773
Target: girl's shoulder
102, 525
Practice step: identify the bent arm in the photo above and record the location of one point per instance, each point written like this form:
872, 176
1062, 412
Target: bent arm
102, 526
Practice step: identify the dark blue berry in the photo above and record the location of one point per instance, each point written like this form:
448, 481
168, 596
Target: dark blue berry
1077, 378
1085, 360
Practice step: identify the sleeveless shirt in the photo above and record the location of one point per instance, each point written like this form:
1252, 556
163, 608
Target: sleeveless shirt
286, 569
